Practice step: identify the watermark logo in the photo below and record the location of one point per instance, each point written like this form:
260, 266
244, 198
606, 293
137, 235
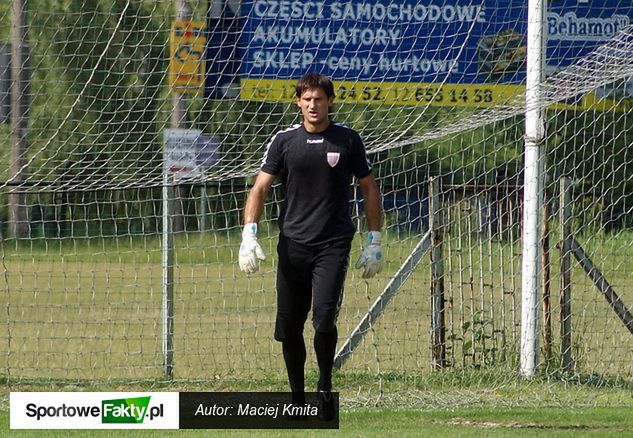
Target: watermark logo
94, 410
129, 410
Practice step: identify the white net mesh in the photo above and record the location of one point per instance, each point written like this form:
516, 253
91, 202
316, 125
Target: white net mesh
434, 88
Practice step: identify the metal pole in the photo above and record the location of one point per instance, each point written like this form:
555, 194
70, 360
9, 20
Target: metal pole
168, 275
546, 282
178, 120
438, 331
18, 210
533, 190
203, 208
180, 102
378, 307
5, 82
603, 285
565, 278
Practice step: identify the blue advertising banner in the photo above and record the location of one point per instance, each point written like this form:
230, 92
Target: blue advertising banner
403, 51
369, 40
222, 51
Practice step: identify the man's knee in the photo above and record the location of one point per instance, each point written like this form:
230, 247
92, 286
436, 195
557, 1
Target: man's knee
289, 328
324, 321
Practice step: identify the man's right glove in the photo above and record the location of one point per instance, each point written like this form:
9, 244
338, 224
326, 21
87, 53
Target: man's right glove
250, 250
371, 258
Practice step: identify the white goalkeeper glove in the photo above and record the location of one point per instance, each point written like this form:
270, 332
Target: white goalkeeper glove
250, 250
371, 258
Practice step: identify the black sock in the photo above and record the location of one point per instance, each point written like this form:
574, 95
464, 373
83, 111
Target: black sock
325, 348
294, 350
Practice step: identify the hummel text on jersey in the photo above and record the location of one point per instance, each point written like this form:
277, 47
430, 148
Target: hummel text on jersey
316, 140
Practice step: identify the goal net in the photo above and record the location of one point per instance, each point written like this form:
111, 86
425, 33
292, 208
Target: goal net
435, 88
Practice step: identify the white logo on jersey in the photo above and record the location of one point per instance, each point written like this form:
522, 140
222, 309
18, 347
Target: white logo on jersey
318, 140
332, 158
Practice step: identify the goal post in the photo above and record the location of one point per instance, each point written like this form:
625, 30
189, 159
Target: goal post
104, 288
534, 173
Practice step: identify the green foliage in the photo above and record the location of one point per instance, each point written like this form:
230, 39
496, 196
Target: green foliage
594, 149
98, 74
100, 102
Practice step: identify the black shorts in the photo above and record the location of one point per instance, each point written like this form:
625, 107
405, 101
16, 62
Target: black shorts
309, 276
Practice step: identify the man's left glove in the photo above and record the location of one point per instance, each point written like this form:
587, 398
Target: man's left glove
250, 250
371, 258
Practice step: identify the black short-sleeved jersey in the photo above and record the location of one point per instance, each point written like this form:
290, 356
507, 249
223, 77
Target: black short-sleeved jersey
316, 171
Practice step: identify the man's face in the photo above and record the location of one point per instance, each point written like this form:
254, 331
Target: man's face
314, 105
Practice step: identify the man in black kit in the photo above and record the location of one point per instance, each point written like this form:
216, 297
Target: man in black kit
316, 161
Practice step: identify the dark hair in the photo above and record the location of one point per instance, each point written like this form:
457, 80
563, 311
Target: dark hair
315, 80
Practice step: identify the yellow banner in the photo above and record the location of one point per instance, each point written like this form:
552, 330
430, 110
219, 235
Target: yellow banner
390, 93
592, 101
405, 93
187, 43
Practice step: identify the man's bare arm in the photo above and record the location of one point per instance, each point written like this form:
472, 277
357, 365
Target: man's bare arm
256, 198
371, 200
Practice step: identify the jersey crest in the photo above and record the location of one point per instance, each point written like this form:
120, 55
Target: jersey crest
332, 158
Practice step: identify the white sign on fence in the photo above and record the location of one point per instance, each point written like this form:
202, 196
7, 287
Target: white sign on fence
180, 152
208, 151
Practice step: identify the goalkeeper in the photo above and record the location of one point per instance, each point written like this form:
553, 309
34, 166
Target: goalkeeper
316, 161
